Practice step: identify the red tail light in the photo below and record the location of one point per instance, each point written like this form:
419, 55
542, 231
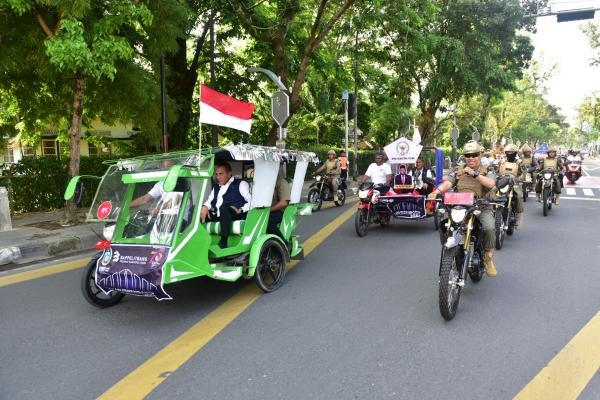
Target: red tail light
102, 244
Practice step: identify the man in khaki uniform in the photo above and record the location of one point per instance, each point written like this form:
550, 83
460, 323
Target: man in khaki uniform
281, 199
332, 167
550, 162
475, 178
511, 166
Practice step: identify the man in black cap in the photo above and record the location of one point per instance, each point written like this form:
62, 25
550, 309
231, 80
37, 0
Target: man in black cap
379, 172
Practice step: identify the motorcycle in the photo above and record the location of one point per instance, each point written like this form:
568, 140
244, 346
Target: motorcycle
462, 252
548, 195
505, 209
321, 190
573, 171
527, 182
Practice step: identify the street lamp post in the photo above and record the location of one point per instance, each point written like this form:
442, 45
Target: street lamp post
280, 104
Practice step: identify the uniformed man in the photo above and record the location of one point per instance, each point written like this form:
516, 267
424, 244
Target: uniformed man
475, 178
551, 162
511, 166
333, 169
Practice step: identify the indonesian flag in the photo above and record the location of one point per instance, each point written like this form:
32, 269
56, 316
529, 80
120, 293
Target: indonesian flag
222, 110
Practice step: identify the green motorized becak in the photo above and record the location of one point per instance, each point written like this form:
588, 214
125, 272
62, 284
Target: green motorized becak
149, 246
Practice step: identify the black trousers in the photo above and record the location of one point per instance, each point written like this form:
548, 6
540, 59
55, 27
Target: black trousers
275, 218
227, 216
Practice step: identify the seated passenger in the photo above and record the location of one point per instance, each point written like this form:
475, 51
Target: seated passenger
402, 181
228, 201
419, 172
281, 199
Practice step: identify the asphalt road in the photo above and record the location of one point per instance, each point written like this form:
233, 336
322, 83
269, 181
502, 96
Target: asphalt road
357, 319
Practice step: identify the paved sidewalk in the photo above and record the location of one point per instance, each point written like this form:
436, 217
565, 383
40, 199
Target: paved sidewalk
40, 236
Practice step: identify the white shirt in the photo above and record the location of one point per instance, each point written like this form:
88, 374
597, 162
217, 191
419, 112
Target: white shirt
378, 173
244, 191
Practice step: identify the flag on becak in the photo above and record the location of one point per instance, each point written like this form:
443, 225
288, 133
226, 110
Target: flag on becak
416, 134
223, 110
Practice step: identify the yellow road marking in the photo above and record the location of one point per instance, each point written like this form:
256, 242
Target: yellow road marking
145, 378
42, 272
567, 374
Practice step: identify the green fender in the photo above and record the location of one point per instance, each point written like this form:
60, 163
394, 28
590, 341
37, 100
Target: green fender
257, 247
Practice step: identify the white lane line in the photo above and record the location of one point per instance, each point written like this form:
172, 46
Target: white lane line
588, 192
571, 192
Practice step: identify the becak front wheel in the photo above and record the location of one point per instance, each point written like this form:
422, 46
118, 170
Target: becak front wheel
92, 293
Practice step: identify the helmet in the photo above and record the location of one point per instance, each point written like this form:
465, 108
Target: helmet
471, 147
511, 148
525, 148
331, 152
552, 148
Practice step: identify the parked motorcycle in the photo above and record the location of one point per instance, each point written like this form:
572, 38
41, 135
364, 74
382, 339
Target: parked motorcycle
548, 195
321, 190
573, 171
505, 209
462, 252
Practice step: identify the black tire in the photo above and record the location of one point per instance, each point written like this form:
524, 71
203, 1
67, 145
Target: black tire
545, 200
436, 216
315, 198
270, 271
525, 193
92, 293
512, 220
449, 289
361, 222
476, 275
341, 198
500, 224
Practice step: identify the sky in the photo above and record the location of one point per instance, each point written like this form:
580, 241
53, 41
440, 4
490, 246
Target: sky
566, 46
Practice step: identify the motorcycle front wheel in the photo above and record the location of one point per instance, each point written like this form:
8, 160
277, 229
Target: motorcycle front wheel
546, 201
500, 224
361, 222
341, 198
511, 220
92, 293
449, 287
525, 192
314, 197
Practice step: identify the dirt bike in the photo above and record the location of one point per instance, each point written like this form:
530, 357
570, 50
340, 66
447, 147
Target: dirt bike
462, 252
505, 212
527, 182
547, 196
573, 171
321, 190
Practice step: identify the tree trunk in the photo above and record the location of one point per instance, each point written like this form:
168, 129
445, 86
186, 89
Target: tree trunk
75, 139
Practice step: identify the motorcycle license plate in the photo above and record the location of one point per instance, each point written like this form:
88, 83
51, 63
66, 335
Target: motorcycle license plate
459, 198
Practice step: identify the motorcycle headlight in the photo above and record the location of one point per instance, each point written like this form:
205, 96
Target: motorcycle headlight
375, 197
362, 194
547, 175
318, 178
504, 189
458, 214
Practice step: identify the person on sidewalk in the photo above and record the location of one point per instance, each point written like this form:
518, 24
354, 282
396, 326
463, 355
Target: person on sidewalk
229, 201
477, 179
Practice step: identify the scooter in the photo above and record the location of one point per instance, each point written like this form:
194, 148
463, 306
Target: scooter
573, 171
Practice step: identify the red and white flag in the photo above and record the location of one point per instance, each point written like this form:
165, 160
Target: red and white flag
220, 109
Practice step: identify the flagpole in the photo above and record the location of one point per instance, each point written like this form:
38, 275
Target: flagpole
199, 121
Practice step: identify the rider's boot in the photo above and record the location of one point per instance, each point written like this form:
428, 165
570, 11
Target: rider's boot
557, 199
490, 268
519, 222
335, 197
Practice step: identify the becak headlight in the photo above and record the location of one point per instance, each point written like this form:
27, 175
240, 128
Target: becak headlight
318, 178
108, 232
458, 214
363, 194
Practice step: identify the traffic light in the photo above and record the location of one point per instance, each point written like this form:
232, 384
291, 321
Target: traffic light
351, 106
575, 15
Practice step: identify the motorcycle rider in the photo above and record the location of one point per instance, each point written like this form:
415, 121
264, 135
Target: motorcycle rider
527, 159
379, 172
511, 166
551, 162
333, 169
475, 178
